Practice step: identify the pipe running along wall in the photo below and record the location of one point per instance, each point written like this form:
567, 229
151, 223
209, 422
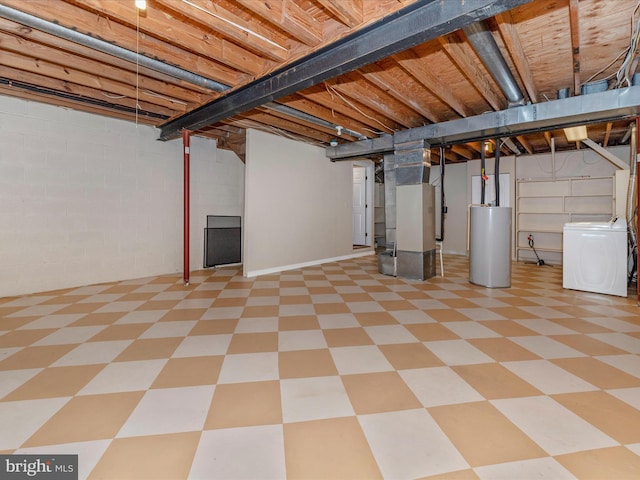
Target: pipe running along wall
186, 134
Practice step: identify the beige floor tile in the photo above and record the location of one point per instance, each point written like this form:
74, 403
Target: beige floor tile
86, 418
321, 290
214, 327
379, 392
458, 303
607, 463
55, 382
295, 299
149, 349
92, 319
9, 324
579, 325
588, 345
493, 381
158, 305
395, 305
323, 449
245, 404
189, 371
298, 322
597, 373
410, 355
413, 295
306, 363
502, 349
483, 435
265, 292
64, 299
183, 314
448, 315
230, 302
356, 297
253, 342
260, 311
330, 308
154, 456
371, 319
35, 357
346, 337
80, 308
614, 417
508, 328
517, 301
428, 332
23, 338
121, 332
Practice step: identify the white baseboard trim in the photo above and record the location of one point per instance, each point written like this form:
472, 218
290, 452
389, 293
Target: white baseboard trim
283, 268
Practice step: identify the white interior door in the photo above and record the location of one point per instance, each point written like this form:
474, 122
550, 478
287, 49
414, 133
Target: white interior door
359, 206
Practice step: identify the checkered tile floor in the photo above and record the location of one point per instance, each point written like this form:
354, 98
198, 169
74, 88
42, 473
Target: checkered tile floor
328, 372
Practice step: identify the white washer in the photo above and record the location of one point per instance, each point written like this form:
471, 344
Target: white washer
594, 257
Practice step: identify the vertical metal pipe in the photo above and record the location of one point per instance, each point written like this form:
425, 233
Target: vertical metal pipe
482, 173
186, 134
496, 172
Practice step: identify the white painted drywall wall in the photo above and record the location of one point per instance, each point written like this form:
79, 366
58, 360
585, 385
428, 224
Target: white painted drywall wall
86, 199
298, 205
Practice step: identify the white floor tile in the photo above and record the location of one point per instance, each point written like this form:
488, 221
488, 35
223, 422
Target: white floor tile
555, 428
168, 329
470, 330
217, 313
247, 453
12, 379
257, 325
635, 448
429, 304
457, 352
628, 395
627, 363
19, 420
194, 303
249, 367
614, 324
287, 291
390, 334
314, 398
169, 410
36, 310
326, 298
488, 302
385, 296
439, 386
620, 340
68, 335
547, 347
548, 378
338, 320
301, 340
119, 307
89, 453
408, 317
545, 327
538, 468
124, 377
296, 309
544, 312
260, 301
410, 444
93, 353
361, 359
203, 345
363, 307
142, 316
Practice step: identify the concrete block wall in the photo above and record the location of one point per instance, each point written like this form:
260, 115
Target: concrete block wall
87, 199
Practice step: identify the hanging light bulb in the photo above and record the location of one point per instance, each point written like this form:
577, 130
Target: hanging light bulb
141, 4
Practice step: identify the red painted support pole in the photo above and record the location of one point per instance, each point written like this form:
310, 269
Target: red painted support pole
185, 142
